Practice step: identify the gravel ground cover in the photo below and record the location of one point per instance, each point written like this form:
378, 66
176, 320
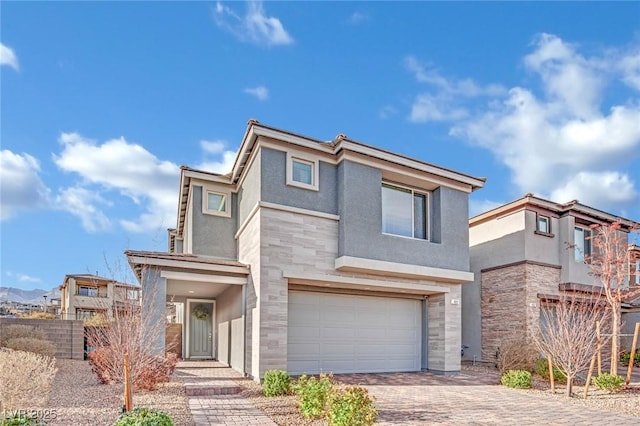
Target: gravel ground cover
78, 399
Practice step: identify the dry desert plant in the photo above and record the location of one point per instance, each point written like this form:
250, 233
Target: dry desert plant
26, 379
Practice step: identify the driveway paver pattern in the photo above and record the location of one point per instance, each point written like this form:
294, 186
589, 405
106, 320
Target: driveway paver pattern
424, 398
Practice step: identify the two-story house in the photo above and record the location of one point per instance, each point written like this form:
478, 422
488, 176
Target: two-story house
315, 256
85, 295
523, 253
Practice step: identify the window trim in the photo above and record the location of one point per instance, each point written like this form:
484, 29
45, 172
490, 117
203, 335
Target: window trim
315, 171
205, 202
427, 201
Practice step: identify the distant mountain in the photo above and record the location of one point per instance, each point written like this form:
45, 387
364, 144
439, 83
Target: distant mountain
12, 294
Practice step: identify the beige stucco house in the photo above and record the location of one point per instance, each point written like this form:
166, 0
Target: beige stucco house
84, 295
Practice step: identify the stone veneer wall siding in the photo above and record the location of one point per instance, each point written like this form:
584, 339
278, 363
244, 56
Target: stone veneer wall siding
509, 301
66, 335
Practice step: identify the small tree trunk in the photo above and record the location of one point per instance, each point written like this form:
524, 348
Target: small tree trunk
615, 333
569, 387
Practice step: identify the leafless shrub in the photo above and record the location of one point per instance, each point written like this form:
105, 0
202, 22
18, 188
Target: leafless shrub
36, 346
516, 352
129, 332
568, 334
26, 379
39, 315
15, 331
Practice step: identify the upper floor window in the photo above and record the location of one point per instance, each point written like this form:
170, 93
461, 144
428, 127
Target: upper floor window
132, 294
302, 172
637, 272
582, 244
216, 203
404, 212
544, 224
87, 291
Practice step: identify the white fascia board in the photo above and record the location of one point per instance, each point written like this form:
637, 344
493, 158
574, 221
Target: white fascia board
151, 261
189, 276
339, 281
379, 267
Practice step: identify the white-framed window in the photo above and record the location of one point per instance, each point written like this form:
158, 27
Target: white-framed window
543, 224
637, 276
582, 244
405, 212
302, 172
216, 202
132, 294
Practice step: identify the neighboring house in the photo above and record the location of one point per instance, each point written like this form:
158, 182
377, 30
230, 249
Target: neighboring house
523, 253
316, 256
83, 296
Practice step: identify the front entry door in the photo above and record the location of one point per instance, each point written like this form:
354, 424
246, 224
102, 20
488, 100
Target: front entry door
201, 329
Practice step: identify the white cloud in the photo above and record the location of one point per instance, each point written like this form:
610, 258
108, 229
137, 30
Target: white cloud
260, 92
358, 18
27, 279
8, 57
254, 27
630, 67
122, 166
592, 187
387, 112
212, 147
21, 189
216, 165
431, 108
563, 144
83, 203
445, 100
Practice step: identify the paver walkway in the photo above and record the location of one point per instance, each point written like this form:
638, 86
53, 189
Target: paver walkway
221, 409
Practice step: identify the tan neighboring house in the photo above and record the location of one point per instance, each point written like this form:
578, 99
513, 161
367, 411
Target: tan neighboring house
85, 295
526, 253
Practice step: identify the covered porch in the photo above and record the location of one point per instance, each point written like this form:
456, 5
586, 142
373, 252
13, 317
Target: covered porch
202, 301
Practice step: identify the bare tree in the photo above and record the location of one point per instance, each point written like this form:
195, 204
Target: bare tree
567, 334
131, 332
610, 264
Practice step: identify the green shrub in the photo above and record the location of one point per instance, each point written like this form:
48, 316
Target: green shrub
609, 382
351, 406
36, 346
626, 356
542, 369
276, 382
144, 417
518, 379
313, 394
19, 419
16, 331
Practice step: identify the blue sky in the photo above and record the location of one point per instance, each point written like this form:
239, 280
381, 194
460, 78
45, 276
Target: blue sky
101, 102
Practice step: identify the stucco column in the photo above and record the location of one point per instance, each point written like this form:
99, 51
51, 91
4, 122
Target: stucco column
154, 301
444, 331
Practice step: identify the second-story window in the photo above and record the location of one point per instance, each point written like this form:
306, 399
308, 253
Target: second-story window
302, 171
216, 203
582, 244
637, 276
88, 291
404, 212
544, 224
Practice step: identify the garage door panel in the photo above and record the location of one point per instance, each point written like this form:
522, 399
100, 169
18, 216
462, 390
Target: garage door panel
353, 333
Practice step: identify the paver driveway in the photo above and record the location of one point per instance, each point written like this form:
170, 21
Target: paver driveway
423, 398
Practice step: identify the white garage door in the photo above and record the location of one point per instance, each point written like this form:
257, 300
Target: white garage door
352, 334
